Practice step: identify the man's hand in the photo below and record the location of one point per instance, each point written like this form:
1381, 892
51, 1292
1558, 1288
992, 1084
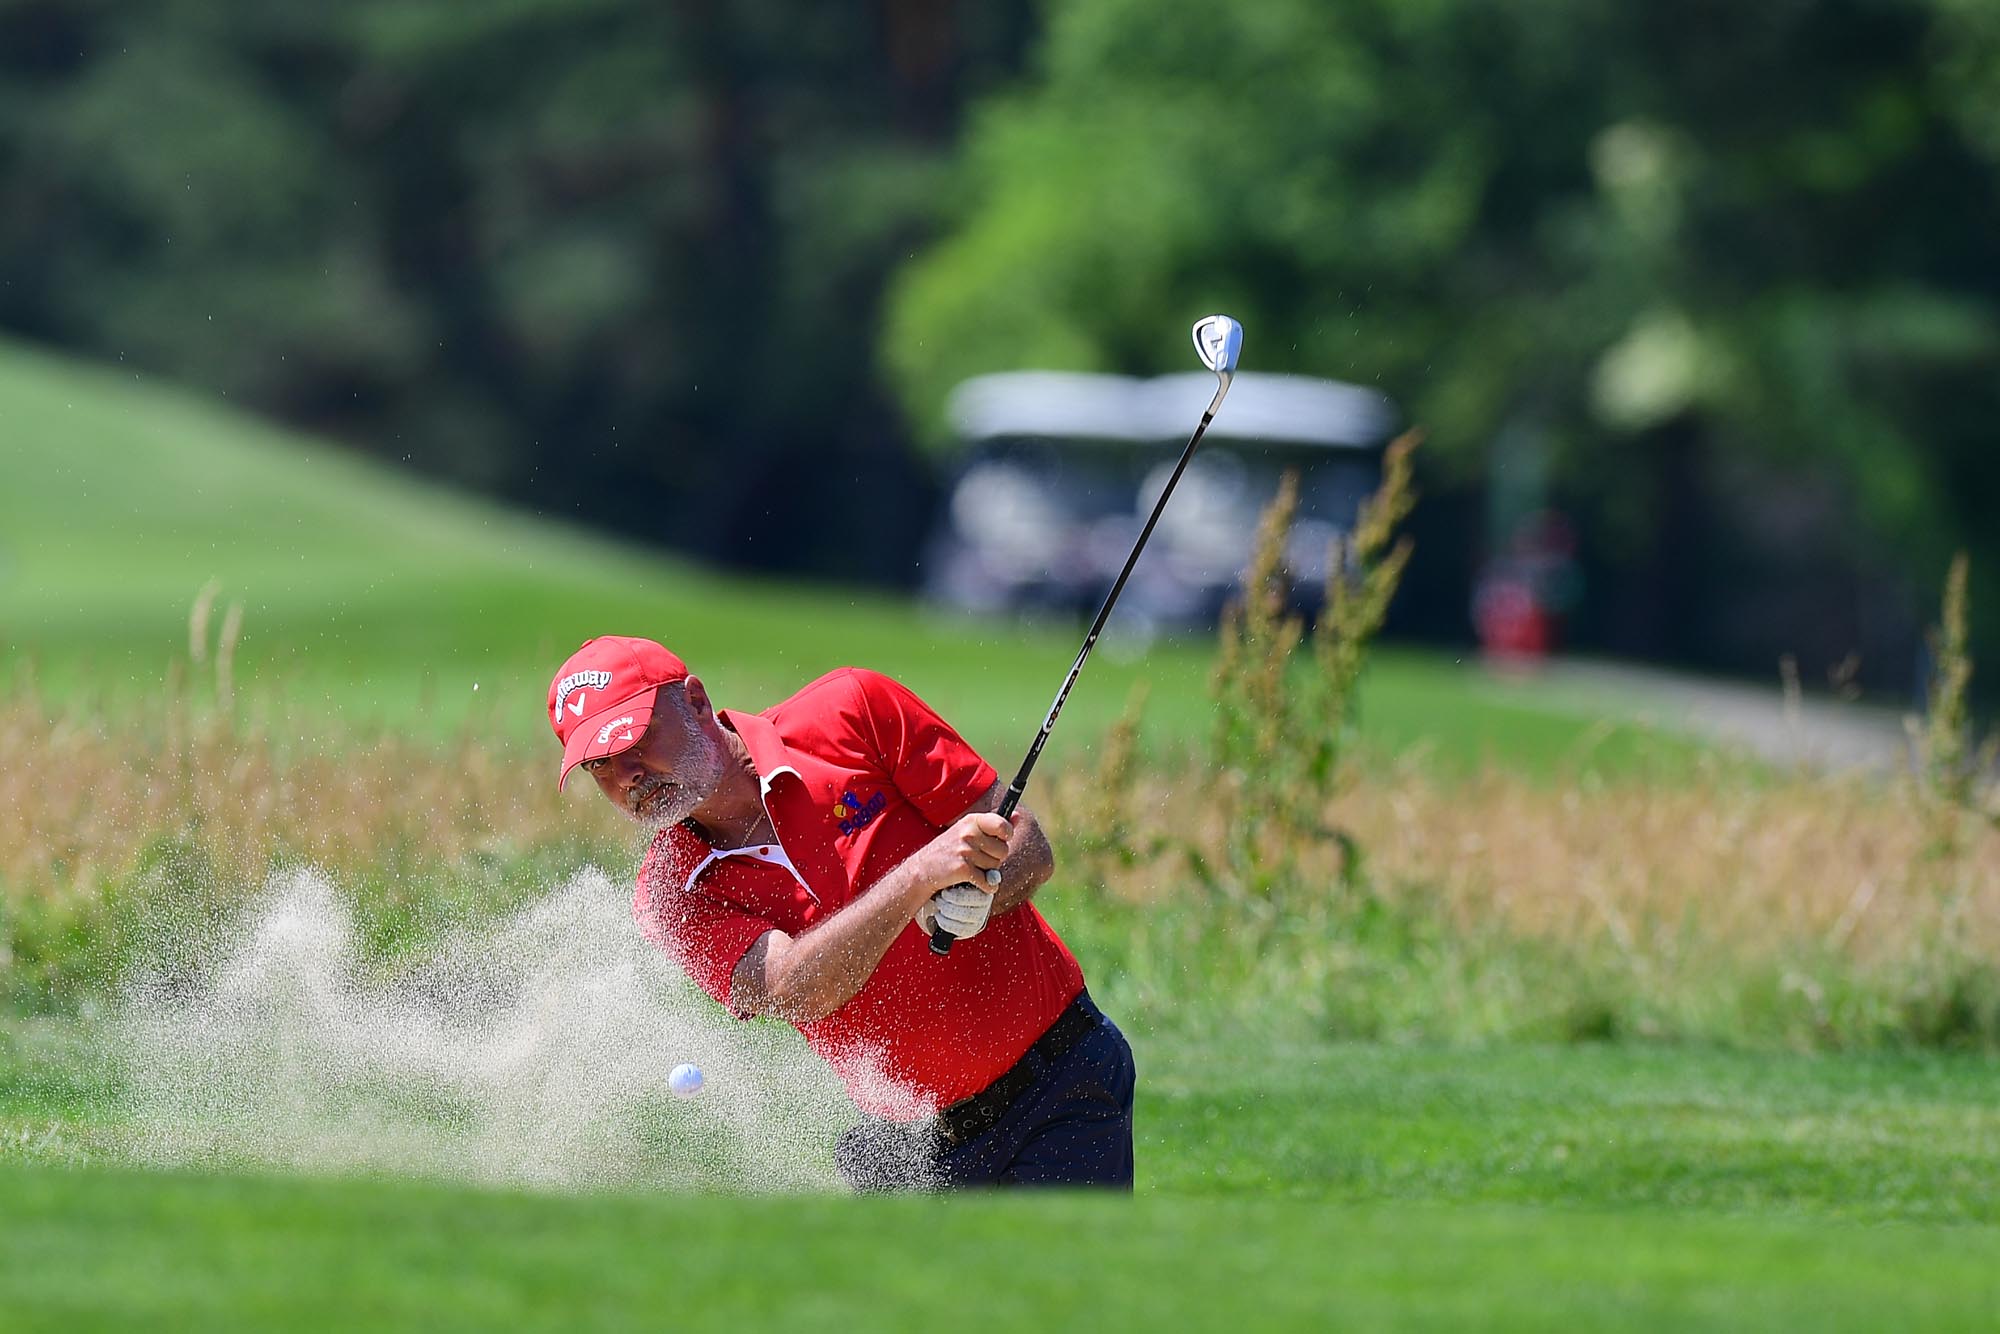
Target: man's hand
965, 852
968, 856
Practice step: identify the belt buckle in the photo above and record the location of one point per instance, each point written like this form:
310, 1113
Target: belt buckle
979, 1118
951, 1132
967, 1120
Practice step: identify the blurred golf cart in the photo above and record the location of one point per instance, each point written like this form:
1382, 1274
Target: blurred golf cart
1058, 471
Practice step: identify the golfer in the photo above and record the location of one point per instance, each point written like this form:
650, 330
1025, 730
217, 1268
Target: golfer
799, 859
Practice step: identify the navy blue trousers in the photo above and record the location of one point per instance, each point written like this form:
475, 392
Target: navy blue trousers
1072, 1126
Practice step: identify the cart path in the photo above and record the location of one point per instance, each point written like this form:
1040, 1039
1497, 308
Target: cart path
1811, 730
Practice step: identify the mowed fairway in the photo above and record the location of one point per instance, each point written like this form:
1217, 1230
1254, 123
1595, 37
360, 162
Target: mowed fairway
1294, 1187
118, 1251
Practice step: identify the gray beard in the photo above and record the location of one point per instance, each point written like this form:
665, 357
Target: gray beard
663, 811
663, 805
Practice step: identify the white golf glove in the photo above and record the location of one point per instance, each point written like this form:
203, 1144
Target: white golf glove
962, 909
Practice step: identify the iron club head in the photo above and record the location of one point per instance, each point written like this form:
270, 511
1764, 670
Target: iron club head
1219, 340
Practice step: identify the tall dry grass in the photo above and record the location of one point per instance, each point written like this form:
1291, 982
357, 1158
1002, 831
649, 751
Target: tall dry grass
1279, 876
1844, 862
1803, 910
124, 831
1797, 909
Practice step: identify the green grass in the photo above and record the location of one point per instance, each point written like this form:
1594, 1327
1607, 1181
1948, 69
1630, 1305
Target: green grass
1302, 1184
1405, 1188
119, 1251
1875, 1138
371, 594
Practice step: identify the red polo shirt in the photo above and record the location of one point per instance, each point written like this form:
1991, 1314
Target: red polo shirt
857, 774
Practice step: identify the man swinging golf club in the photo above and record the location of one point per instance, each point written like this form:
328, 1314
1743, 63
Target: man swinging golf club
802, 857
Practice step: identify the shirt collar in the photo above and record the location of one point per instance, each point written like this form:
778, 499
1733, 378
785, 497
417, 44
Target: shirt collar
769, 755
801, 827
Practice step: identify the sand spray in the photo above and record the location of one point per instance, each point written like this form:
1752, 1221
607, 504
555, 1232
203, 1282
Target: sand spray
530, 1051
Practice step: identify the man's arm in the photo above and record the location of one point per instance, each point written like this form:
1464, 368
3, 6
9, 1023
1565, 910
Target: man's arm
809, 976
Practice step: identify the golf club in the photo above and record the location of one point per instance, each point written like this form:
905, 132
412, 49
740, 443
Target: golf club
1219, 340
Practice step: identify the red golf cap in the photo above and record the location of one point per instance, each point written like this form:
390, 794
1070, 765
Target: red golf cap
602, 698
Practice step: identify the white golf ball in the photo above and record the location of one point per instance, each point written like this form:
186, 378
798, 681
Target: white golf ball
685, 1081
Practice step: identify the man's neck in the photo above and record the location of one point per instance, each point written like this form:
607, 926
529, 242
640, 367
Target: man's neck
735, 815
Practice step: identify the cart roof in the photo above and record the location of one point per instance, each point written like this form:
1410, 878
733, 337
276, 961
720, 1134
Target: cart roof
1084, 406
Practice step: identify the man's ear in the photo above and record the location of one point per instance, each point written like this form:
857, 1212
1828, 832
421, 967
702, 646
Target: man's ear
696, 695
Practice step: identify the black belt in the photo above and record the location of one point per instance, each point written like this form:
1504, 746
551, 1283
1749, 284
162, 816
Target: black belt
974, 1116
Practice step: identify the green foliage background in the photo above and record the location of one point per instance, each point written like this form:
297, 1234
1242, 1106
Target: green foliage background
562, 251
1725, 275
1732, 266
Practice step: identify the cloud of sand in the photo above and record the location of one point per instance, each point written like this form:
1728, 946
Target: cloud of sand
533, 1051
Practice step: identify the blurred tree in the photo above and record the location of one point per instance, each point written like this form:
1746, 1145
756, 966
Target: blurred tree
1736, 264
1732, 267
607, 256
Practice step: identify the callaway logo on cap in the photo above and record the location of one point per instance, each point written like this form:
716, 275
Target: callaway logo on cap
602, 698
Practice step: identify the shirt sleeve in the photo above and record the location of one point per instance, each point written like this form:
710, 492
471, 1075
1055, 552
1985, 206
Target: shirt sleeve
930, 763
707, 938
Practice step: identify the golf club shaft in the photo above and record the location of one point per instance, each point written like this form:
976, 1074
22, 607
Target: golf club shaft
941, 939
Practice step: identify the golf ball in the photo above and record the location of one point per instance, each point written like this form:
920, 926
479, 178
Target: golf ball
685, 1080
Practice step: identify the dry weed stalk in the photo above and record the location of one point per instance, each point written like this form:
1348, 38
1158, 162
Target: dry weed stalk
1106, 830
1254, 709
1282, 726
1952, 769
1357, 606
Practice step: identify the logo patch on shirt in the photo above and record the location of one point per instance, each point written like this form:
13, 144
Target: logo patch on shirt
856, 813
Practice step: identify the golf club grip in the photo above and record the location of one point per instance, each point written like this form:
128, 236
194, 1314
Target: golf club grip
940, 938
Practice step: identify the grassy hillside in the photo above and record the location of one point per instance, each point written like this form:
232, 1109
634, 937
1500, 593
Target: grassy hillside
371, 593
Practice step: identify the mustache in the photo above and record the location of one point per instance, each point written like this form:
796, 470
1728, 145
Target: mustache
649, 788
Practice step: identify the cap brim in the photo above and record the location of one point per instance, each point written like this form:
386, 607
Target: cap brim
609, 730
